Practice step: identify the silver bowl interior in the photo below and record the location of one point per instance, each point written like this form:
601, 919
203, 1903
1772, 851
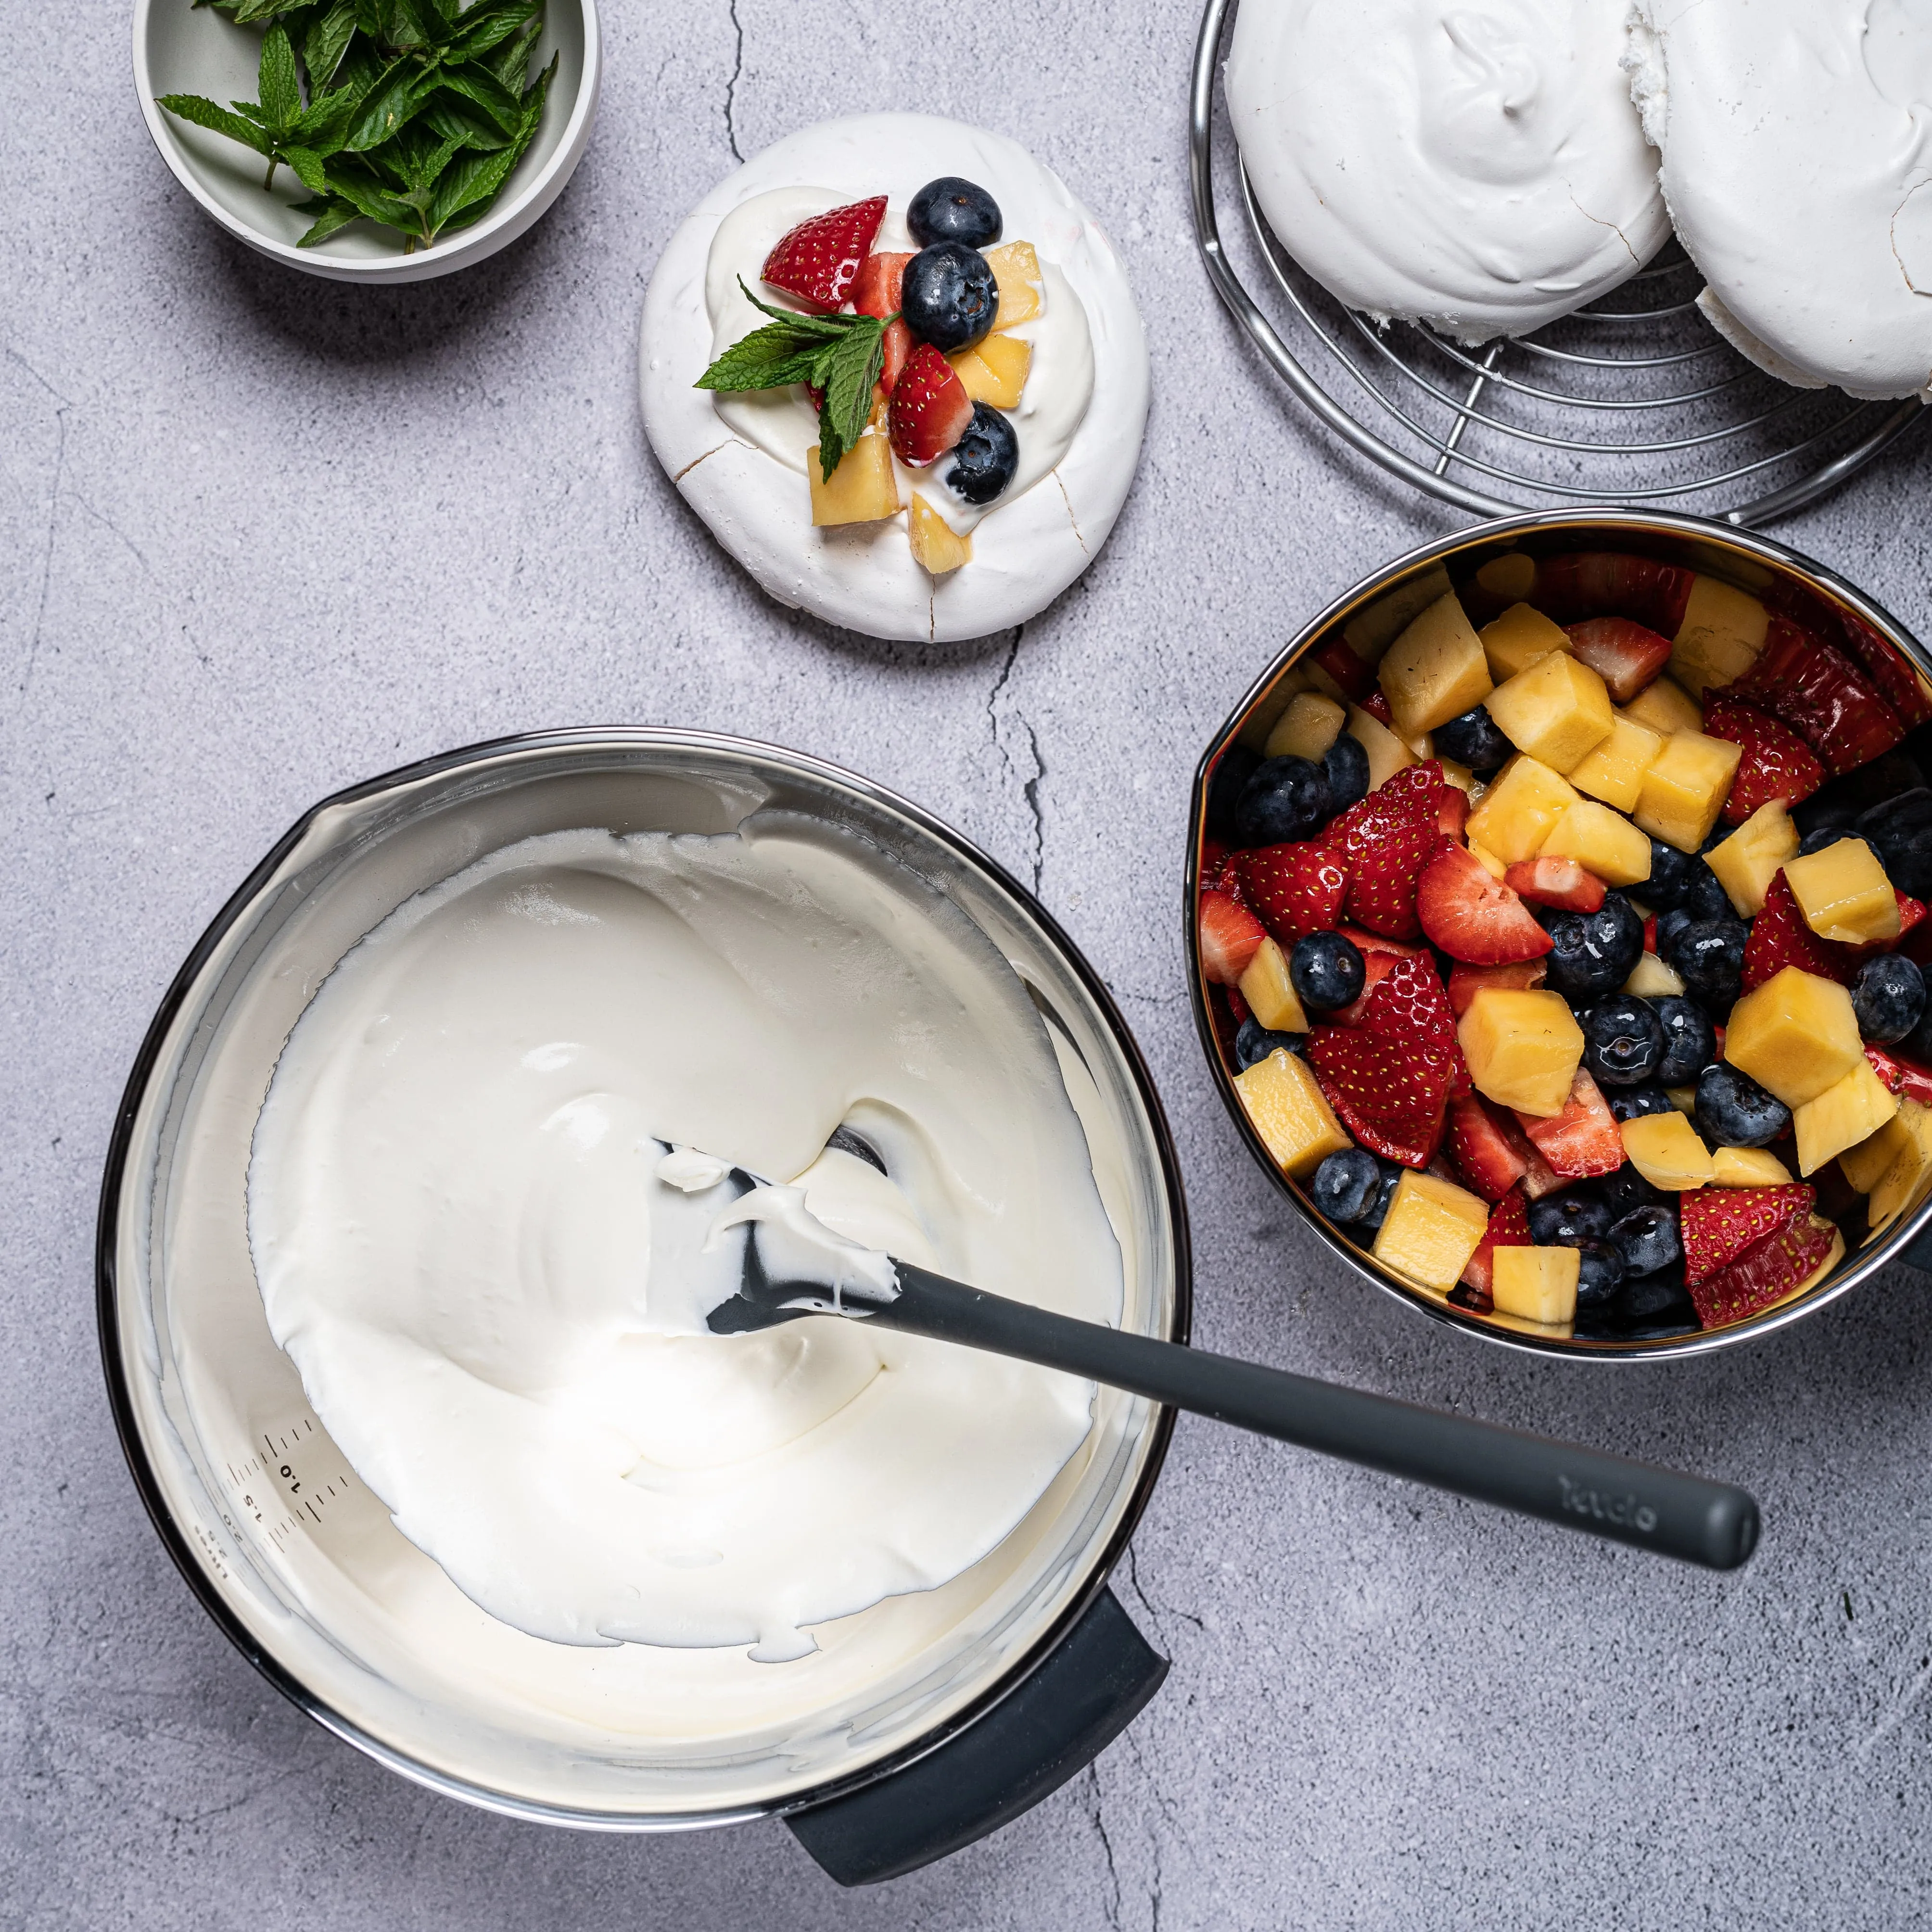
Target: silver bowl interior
1791, 584
299, 1562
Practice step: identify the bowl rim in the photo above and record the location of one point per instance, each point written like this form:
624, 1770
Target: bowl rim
180, 1545
502, 226
1857, 1265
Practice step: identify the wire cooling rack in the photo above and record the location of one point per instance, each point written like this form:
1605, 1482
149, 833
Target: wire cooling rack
1635, 400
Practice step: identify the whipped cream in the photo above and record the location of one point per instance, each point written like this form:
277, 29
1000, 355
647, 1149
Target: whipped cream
739, 460
1473, 164
1797, 143
499, 1181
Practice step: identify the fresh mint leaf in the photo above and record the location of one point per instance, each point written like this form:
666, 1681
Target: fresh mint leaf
476, 84
477, 204
768, 358
474, 178
402, 92
308, 168
205, 113
850, 368
253, 13
377, 202
488, 24
326, 41
335, 214
511, 61
456, 120
324, 125
281, 84
825, 327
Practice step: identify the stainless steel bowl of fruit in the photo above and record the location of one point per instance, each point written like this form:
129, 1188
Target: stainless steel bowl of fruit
1556, 913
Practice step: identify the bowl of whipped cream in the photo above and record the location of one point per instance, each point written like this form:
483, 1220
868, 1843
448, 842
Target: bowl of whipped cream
410, 1228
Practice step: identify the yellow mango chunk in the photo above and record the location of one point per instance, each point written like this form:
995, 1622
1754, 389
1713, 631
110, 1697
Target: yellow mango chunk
1906, 1182
1795, 1036
1434, 670
1614, 770
1748, 861
1536, 1284
1523, 1048
1270, 992
1722, 632
1265, 712
1864, 1165
1748, 1167
862, 489
1844, 893
1510, 577
1650, 980
1306, 729
1430, 1231
1487, 859
1288, 1108
1517, 812
1665, 706
1371, 630
1387, 755
993, 371
1685, 788
1850, 1111
1684, 1098
1665, 1149
1460, 776
936, 546
1558, 711
1602, 841
1514, 641
1016, 274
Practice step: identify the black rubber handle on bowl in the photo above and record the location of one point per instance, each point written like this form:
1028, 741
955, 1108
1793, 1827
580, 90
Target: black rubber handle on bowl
1054, 1722
1675, 1515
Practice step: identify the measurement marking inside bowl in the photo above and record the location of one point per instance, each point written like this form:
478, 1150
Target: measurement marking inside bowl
308, 1495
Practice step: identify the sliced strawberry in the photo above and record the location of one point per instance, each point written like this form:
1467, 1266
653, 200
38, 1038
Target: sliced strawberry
1238, 1006
1622, 652
1296, 888
1484, 1155
1561, 883
1766, 1271
1452, 811
1897, 683
1377, 706
1355, 679
1718, 1224
1385, 841
930, 408
1473, 916
817, 262
1376, 967
1214, 853
1509, 1227
1612, 584
1230, 936
875, 289
1410, 1005
1650, 932
1388, 1099
1366, 943
1826, 698
1776, 763
1780, 937
1890, 1073
1540, 1178
1581, 1141
1466, 981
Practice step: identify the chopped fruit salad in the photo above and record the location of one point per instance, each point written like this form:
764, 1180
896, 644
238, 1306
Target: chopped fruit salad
914, 361
1565, 929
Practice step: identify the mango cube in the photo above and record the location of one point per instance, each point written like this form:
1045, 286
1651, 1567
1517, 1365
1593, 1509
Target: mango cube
1016, 275
862, 489
1518, 811
1460, 776
1844, 893
1651, 979
1909, 1179
1536, 1284
1684, 1098
1665, 1149
1434, 670
1288, 1108
1523, 1048
1614, 770
1748, 1167
1685, 788
1431, 1230
1602, 841
1864, 1165
993, 370
936, 546
1852, 1110
1664, 706
1795, 1036
1558, 711
1487, 859
1270, 992
1387, 755
1371, 630
1306, 729
1510, 577
1723, 631
1514, 641
1748, 861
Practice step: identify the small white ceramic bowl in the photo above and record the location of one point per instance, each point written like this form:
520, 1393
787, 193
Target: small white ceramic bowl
180, 48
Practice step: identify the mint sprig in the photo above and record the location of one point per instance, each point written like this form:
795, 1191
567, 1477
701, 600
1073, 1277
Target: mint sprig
839, 356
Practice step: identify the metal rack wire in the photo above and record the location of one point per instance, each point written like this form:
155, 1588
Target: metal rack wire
1635, 401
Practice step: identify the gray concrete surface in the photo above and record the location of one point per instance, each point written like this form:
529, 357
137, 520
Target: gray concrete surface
260, 535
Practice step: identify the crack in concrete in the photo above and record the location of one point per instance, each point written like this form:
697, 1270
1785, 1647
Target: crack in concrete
1112, 1907
47, 549
1030, 786
731, 85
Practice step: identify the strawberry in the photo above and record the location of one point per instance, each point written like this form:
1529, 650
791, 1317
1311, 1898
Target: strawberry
1483, 1155
1581, 1141
1385, 841
1466, 981
1896, 682
1509, 1227
1377, 706
1238, 1006
1474, 916
1561, 883
1214, 854
1780, 937
930, 408
1609, 583
817, 262
1452, 811
1366, 943
1540, 1178
1777, 763
1296, 888
1230, 936
1826, 698
1353, 678
1890, 1073
1650, 932
1390, 1077
1901, 1076
877, 292
1624, 654
1410, 1004
1718, 1224
1767, 1271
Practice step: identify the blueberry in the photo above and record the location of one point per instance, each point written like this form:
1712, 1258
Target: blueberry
1392, 1176
1690, 1044
1632, 1103
1235, 767
1647, 1238
1626, 1188
1600, 1273
1253, 1043
1734, 1111
1326, 971
1823, 812
1596, 952
1708, 956
1655, 1306
1286, 799
1672, 874
1623, 1041
1825, 835
948, 296
1707, 897
1472, 739
1899, 831
950, 209
1346, 1184
985, 458
1568, 1220
1889, 996
1669, 925
1345, 766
